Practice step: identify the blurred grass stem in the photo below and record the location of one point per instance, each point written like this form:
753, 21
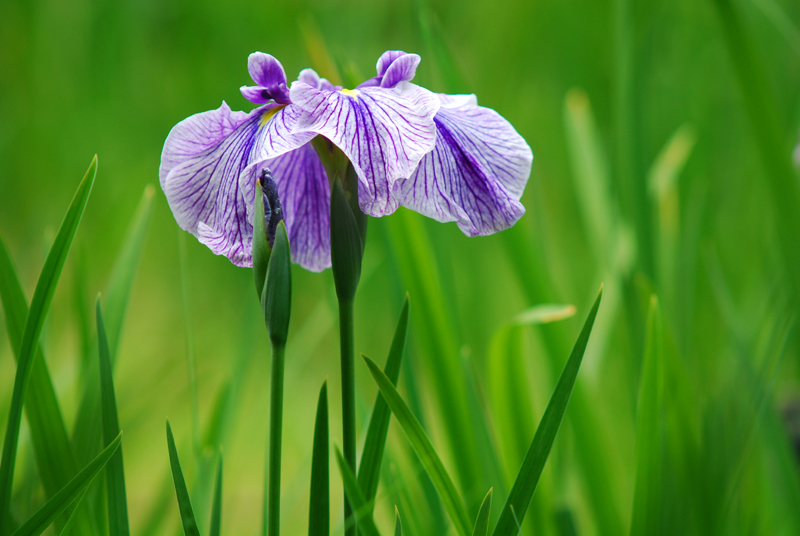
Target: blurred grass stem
272, 508
346, 338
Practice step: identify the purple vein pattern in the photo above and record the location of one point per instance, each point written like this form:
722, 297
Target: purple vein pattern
443, 156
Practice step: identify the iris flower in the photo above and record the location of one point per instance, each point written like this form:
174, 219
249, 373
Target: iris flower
440, 155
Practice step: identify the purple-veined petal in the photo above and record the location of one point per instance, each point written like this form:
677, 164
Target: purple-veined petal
310, 77
384, 132
475, 175
205, 160
402, 69
386, 59
265, 70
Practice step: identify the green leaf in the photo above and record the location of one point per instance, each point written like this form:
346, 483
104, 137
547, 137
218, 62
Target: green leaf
362, 509
74, 515
482, 522
182, 492
261, 249
528, 476
39, 521
115, 474
398, 528
51, 447
319, 511
42, 297
276, 299
216, 510
346, 247
424, 449
369, 470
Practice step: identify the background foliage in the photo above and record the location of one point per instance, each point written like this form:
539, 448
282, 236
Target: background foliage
650, 175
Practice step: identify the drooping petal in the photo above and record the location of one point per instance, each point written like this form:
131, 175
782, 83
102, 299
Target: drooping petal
384, 132
475, 175
205, 160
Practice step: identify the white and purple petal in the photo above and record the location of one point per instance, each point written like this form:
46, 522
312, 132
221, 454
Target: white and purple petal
384, 132
270, 78
206, 160
475, 175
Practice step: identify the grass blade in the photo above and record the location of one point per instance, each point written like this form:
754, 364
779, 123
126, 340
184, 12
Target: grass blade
184, 503
369, 471
362, 509
398, 528
42, 297
51, 447
115, 473
522, 492
319, 511
74, 515
424, 449
482, 522
216, 510
649, 420
39, 521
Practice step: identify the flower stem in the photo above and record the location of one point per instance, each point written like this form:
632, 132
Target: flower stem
272, 508
348, 396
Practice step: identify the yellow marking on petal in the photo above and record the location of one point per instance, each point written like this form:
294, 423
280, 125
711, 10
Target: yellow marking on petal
270, 113
350, 92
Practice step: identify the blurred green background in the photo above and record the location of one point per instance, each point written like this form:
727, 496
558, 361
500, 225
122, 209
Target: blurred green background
662, 165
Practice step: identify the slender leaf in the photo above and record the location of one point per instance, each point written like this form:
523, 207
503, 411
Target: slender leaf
181, 491
398, 527
39, 521
649, 435
319, 511
369, 470
528, 476
42, 297
424, 449
216, 510
74, 515
482, 522
115, 473
362, 509
49, 438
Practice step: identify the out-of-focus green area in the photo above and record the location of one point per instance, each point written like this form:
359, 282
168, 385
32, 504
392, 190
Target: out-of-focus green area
650, 175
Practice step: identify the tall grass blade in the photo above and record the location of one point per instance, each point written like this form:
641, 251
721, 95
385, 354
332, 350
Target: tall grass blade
115, 473
216, 509
362, 509
181, 491
522, 491
40, 304
319, 511
424, 449
68, 526
482, 522
369, 470
49, 438
398, 527
39, 521
647, 498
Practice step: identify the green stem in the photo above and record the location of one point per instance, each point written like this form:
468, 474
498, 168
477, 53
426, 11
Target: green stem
348, 396
272, 508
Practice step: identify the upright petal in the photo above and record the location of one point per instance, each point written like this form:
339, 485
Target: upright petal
475, 175
384, 132
386, 59
270, 78
205, 160
403, 69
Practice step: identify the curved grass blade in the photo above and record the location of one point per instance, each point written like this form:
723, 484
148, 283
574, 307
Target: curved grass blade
398, 528
216, 510
39, 521
528, 476
424, 449
42, 297
369, 470
645, 518
115, 473
184, 503
362, 509
49, 438
74, 515
319, 511
482, 522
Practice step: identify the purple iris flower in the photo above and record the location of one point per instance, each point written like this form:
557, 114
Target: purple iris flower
443, 156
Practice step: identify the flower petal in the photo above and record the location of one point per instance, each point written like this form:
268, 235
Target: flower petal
305, 195
205, 160
384, 132
402, 69
265, 70
386, 59
475, 175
